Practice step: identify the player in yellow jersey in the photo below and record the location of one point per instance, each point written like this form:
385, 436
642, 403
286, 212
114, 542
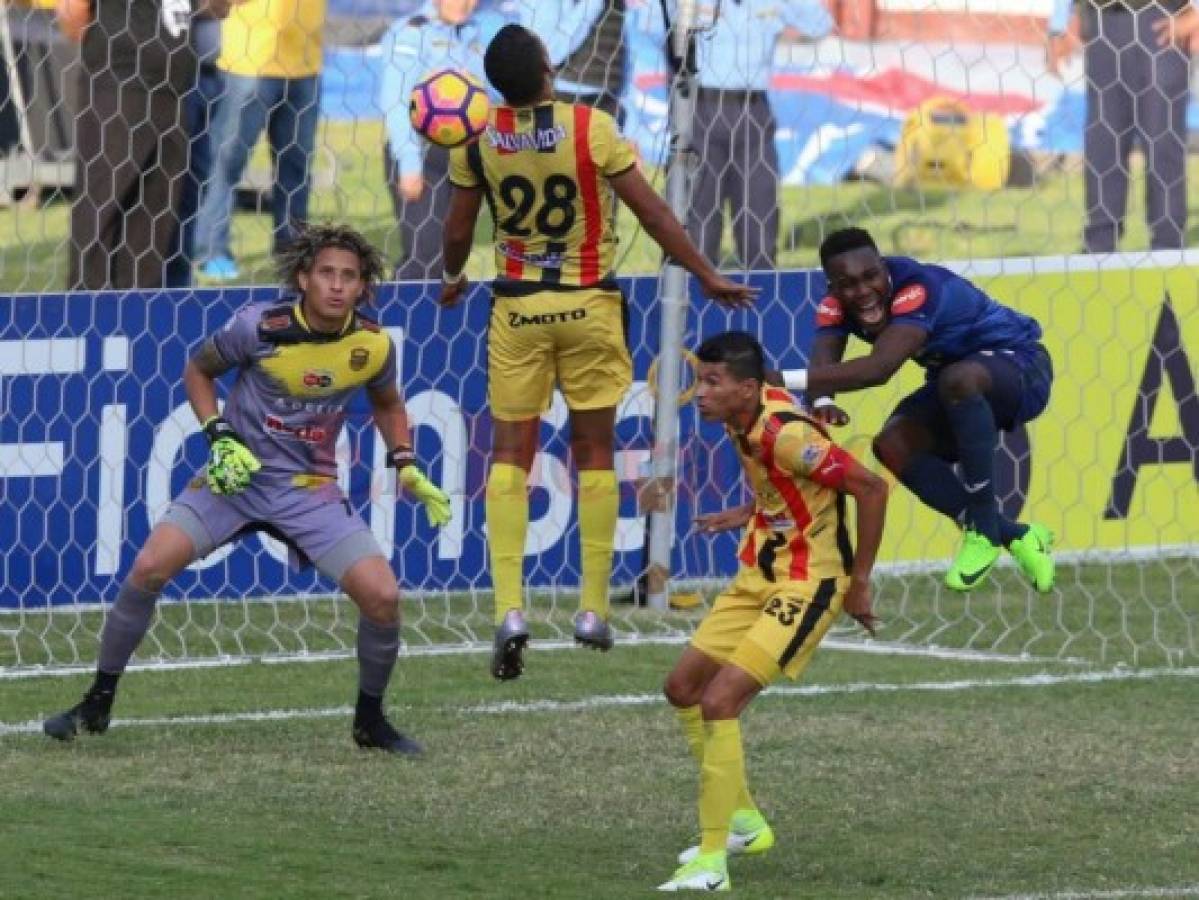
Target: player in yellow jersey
798, 571
548, 172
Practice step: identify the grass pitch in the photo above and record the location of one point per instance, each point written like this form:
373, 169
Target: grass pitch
884, 776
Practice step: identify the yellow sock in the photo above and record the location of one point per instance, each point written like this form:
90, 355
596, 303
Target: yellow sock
507, 523
692, 720
721, 782
599, 505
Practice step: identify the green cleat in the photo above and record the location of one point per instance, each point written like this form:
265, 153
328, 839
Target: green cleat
749, 835
1032, 554
973, 562
707, 872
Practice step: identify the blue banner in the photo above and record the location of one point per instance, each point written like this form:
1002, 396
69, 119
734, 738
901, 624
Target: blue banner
96, 437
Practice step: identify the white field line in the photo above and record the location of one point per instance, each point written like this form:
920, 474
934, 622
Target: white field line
1186, 890
881, 648
607, 701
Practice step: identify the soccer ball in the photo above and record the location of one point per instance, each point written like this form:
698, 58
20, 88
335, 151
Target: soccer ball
449, 108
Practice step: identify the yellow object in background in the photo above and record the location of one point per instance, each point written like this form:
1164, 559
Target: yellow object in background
944, 143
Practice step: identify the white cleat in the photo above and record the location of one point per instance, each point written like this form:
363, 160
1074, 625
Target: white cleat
739, 843
707, 872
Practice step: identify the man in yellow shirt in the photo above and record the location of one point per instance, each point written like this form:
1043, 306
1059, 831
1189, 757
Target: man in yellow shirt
271, 59
799, 571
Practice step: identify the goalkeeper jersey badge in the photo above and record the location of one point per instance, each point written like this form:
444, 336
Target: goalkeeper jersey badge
359, 357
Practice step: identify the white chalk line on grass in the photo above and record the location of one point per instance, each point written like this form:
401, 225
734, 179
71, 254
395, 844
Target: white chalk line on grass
602, 701
882, 648
1185, 890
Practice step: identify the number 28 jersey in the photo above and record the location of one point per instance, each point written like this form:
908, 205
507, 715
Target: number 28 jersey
544, 171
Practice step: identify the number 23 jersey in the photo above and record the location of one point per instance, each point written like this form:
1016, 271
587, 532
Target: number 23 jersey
798, 529
544, 171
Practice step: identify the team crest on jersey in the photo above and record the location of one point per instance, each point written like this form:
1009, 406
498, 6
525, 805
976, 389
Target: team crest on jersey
908, 299
359, 357
829, 312
317, 378
811, 455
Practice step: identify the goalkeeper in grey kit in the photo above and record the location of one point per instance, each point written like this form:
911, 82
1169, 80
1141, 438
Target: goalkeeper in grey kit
272, 467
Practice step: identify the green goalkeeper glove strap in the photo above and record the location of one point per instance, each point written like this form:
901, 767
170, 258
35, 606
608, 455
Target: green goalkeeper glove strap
231, 463
435, 500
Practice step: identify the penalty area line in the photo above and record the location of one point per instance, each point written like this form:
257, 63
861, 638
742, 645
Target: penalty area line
606, 701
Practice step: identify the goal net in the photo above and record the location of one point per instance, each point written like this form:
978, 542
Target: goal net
96, 435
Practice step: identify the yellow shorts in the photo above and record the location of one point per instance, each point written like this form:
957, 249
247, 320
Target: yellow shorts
770, 628
575, 339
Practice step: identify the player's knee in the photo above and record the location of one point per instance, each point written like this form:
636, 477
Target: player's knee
150, 570
957, 383
719, 702
680, 692
380, 603
890, 450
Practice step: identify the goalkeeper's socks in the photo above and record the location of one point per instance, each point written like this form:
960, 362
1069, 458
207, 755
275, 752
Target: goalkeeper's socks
599, 505
125, 625
378, 646
974, 431
507, 507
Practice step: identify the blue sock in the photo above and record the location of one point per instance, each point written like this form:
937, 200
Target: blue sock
974, 430
936, 484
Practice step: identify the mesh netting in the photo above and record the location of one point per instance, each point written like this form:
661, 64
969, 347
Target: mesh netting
939, 127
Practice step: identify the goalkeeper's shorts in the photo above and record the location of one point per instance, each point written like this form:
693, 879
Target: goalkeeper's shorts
769, 628
315, 522
576, 339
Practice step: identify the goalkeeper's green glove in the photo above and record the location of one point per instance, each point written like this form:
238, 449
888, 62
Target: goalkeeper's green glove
436, 501
231, 462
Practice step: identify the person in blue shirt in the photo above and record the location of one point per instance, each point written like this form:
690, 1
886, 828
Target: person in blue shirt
734, 125
1137, 66
987, 370
447, 34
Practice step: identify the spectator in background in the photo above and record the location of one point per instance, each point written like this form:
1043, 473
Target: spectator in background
734, 125
416, 171
137, 65
585, 41
198, 108
1138, 74
271, 62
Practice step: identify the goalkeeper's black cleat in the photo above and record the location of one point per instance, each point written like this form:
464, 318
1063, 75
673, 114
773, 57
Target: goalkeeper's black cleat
376, 733
92, 714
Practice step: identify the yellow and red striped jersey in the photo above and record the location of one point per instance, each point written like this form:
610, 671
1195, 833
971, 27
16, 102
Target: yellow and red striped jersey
798, 530
544, 172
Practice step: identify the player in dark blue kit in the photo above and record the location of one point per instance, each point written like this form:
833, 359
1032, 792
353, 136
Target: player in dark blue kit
987, 370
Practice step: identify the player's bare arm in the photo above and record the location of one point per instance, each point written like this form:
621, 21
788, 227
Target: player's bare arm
391, 417
458, 237
199, 379
660, 224
870, 495
827, 350
218, 9
895, 345
725, 520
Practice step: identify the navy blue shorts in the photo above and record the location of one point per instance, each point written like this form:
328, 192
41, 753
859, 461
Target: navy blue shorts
1020, 382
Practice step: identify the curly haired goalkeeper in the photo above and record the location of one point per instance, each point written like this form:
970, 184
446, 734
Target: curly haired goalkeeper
272, 468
